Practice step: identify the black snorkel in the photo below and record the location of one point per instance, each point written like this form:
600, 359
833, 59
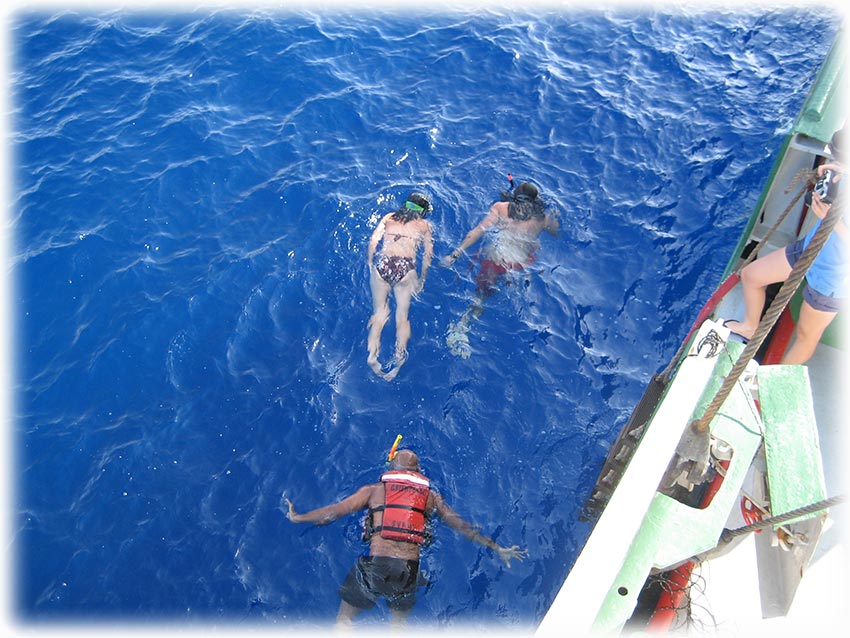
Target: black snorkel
508, 195
523, 200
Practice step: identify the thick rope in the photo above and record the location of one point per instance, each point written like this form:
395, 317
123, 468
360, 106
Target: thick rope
789, 287
808, 177
729, 534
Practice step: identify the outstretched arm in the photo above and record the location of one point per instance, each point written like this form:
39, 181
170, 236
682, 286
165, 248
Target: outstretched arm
820, 209
324, 515
453, 520
473, 235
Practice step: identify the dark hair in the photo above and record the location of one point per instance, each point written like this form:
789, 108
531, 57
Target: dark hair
838, 145
416, 206
524, 202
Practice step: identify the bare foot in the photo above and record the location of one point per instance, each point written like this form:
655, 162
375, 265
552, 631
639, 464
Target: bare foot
398, 361
375, 364
738, 328
399, 358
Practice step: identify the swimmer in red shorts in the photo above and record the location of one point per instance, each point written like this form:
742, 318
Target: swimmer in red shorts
516, 225
394, 269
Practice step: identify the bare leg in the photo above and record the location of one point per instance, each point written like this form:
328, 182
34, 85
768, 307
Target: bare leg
755, 278
810, 326
475, 310
380, 314
399, 618
403, 292
345, 616
456, 339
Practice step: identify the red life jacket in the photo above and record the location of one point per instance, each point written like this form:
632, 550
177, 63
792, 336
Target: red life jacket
405, 499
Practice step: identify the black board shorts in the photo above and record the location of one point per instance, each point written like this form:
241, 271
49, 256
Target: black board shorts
395, 579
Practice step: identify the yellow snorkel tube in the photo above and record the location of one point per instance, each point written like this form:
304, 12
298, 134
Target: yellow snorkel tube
394, 449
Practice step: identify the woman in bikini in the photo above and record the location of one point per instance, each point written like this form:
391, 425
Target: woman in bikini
394, 268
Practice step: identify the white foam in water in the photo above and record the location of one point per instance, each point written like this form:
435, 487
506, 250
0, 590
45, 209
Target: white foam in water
458, 341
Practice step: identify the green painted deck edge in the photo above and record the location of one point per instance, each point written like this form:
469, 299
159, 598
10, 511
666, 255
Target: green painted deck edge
673, 532
792, 446
825, 108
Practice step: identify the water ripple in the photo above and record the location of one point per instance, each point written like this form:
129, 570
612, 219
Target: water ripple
193, 197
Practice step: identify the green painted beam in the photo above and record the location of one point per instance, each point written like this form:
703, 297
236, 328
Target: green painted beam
582, 595
792, 449
826, 109
673, 532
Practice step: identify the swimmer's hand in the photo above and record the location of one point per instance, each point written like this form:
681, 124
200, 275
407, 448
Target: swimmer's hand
451, 258
290, 512
507, 553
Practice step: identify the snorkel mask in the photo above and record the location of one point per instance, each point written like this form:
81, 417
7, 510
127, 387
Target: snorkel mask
418, 203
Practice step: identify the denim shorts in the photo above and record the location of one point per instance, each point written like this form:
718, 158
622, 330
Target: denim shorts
815, 299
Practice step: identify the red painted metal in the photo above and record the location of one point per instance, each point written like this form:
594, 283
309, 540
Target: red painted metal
780, 340
722, 290
678, 580
671, 598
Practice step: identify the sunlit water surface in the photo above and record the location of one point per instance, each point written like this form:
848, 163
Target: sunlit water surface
193, 196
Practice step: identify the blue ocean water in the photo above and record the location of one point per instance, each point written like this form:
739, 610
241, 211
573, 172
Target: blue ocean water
193, 196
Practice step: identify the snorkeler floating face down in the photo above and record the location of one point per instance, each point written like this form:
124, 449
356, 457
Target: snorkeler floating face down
405, 460
418, 203
392, 273
526, 192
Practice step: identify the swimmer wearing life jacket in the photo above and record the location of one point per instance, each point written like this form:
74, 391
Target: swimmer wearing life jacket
399, 507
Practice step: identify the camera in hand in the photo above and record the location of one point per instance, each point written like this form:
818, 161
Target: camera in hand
825, 187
